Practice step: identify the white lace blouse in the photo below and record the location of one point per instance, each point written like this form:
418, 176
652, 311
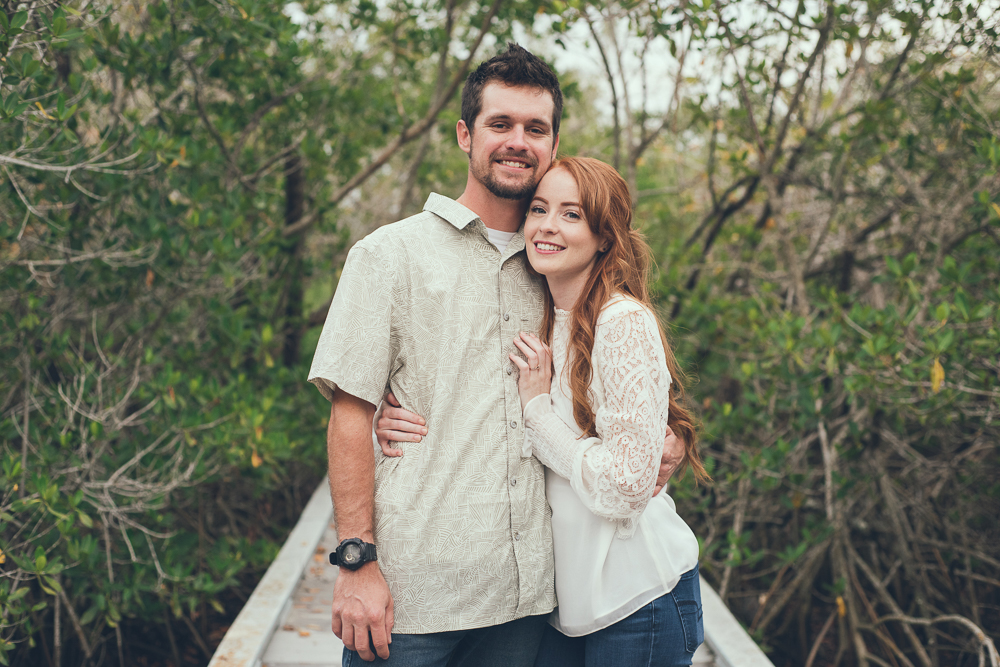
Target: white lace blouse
616, 547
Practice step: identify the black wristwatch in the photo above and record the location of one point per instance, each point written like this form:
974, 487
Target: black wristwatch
353, 553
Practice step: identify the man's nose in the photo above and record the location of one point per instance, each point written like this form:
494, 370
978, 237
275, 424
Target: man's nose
517, 139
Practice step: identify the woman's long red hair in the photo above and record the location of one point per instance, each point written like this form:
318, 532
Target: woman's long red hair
623, 267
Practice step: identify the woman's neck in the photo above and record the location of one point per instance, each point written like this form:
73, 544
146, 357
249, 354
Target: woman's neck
567, 291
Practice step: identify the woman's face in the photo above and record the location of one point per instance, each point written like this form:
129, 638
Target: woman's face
559, 242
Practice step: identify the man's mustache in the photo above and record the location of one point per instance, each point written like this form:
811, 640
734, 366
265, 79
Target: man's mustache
523, 157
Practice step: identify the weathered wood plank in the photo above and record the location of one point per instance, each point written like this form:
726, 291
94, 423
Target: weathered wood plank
724, 635
244, 643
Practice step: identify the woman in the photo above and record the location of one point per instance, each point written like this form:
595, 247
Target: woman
626, 564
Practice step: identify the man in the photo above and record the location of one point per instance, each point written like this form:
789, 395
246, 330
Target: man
428, 308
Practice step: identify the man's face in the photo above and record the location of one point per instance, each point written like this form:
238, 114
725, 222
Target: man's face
512, 143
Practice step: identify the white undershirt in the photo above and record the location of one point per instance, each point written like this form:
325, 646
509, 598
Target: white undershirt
499, 239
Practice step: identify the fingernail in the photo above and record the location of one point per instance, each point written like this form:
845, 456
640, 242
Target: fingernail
423, 431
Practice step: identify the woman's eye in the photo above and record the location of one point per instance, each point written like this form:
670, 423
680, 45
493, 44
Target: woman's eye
537, 209
572, 215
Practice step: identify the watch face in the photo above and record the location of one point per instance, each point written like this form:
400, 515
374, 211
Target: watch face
351, 554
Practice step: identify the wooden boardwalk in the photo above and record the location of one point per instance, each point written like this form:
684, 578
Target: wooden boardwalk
286, 621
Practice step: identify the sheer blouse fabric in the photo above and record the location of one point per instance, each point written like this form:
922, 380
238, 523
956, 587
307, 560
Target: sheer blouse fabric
616, 547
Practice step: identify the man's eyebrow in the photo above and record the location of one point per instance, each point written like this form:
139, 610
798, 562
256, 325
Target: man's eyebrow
505, 116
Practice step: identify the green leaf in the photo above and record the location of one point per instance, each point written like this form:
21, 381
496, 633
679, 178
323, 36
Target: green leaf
18, 594
944, 340
89, 615
70, 35
942, 312
59, 26
53, 584
19, 20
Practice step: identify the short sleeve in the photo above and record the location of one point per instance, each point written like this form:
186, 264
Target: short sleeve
355, 350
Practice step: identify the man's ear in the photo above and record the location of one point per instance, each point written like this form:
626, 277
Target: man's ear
555, 147
464, 136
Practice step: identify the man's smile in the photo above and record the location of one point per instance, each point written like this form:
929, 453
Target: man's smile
515, 162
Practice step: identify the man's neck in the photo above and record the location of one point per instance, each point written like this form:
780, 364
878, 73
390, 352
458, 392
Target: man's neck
504, 215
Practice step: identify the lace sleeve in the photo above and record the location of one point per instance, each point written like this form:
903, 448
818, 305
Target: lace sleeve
614, 473
617, 472
549, 438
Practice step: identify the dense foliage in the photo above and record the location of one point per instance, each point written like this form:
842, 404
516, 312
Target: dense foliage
162, 166
181, 180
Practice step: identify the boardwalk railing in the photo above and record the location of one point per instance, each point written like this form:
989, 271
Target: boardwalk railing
251, 632
269, 633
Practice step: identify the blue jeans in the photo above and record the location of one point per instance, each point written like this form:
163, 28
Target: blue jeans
513, 644
664, 633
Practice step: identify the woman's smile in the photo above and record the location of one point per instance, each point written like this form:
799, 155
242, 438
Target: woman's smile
547, 248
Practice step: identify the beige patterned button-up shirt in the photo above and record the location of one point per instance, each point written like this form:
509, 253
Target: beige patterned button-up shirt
429, 308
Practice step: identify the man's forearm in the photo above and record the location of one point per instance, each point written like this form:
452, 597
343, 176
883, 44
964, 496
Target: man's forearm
351, 465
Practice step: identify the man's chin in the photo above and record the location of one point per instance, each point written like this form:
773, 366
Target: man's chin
513, 191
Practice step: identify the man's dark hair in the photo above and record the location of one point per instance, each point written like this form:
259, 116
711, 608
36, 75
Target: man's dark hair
514, 67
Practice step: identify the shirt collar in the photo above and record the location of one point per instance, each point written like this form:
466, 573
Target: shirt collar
449, 209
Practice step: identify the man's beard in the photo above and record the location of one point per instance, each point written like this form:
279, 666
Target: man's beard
505, 190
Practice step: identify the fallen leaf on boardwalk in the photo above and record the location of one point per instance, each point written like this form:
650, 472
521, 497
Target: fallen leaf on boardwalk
304, 633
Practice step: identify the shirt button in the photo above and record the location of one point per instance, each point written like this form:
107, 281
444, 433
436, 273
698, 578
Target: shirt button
510, 371
513, 482
506, 317
513, 424
517, 536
